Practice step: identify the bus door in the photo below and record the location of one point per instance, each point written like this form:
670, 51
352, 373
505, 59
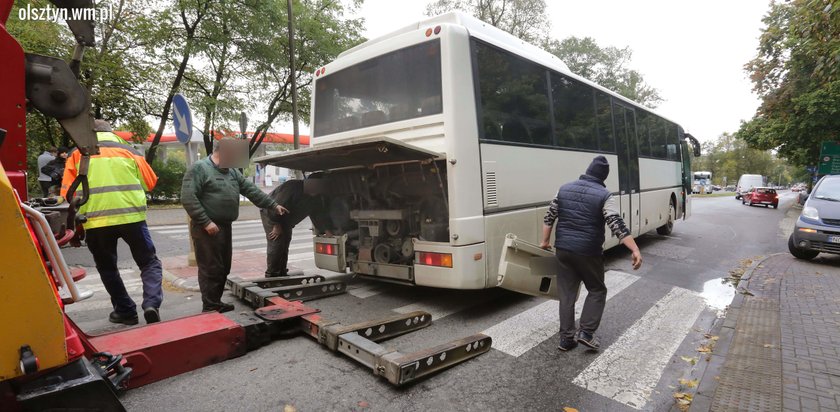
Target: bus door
624, 121
686, 175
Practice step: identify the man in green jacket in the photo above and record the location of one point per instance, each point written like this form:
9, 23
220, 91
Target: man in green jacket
210, 195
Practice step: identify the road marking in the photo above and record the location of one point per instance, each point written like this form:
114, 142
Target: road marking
520, 333
629, 369
367, 291
441, 308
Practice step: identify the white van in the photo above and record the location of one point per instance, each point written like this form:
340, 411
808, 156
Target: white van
747, 182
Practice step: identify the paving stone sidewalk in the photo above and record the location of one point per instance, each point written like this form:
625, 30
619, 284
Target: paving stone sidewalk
244, 264
778, 346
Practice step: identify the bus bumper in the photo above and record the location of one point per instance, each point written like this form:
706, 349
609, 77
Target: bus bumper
468, 271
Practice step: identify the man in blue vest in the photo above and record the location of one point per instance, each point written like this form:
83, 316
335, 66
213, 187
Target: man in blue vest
581, 209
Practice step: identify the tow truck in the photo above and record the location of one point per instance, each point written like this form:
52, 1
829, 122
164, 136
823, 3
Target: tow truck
48, 363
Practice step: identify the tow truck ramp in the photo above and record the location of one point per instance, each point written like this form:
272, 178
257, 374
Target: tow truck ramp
278, 300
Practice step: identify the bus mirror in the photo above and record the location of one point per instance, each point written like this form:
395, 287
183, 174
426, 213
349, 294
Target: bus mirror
694, 144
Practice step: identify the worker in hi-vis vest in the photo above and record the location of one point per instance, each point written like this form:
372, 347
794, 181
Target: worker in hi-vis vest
119, 178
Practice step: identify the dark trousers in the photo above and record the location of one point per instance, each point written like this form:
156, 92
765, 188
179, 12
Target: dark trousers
102, 243
213, 255
574, 269
277, 250
45, 187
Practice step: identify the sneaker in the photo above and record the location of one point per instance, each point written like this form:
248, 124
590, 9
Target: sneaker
152, 315
129, 319
589, 340
567, 344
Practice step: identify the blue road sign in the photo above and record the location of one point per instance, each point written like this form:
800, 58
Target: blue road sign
182, 118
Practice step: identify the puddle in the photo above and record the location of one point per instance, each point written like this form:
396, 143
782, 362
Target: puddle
718, 293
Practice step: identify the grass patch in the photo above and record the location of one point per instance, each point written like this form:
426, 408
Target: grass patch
717, 194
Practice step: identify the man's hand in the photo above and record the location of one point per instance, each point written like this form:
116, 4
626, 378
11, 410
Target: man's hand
281, 210
276, 232
545, 245
637, 259
211, 229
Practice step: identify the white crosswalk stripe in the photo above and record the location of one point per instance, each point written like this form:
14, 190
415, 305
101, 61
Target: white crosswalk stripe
523, 331
440, 309
629, 369
367, 291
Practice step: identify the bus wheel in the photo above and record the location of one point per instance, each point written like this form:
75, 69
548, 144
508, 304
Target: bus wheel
668, 227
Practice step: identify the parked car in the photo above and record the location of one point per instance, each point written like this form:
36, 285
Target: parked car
747, 182
761, 196
818, 228
716, 187
730, 188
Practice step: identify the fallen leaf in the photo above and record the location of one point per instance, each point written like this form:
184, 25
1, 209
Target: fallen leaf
768, 345
690, 360
364, 404
569, 409
704, 349
683, 400
746, 292
289, 408
689, 383
253, 369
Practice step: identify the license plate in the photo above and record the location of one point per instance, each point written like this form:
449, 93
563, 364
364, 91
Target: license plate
834, 239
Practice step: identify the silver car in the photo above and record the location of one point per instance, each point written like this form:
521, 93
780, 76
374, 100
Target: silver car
818, 228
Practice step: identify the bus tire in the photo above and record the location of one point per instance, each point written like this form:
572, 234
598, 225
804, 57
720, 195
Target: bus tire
668, 227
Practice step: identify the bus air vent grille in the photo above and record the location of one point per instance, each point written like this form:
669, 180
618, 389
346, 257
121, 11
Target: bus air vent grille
490, 193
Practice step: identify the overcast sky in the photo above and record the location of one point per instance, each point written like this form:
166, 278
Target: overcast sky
693, 52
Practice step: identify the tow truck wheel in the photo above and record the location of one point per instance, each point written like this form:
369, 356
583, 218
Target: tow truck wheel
800, 253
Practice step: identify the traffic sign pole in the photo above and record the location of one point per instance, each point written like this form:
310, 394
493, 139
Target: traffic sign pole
182, 119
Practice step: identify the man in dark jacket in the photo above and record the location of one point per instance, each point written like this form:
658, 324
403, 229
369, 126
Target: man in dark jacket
210, 195
301, 203
581, 209
55, 168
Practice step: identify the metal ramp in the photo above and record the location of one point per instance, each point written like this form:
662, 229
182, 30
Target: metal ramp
279, 311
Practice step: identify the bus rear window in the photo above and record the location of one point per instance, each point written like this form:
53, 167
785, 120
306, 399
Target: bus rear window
404, 84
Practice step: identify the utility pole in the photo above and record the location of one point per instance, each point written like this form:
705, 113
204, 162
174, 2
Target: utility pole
293, 81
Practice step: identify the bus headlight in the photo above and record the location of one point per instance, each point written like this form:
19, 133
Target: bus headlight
810, 213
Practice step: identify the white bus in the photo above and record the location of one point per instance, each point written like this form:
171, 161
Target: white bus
702, 182
441, 138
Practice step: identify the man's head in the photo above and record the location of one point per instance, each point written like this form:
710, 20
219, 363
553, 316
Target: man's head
51, 150
232, 153
100, 125
599, 168
63, 151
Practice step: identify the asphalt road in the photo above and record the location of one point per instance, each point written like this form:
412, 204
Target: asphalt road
654, 317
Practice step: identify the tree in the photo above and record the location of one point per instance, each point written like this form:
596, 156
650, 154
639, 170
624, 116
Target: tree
321, 32
525, 19
607, 66
797, 76
729, 157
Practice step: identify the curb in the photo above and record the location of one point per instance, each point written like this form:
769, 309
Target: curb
725, 331
186, 284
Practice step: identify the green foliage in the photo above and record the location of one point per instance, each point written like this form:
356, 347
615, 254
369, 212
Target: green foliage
607, 66
170, 175
525, 19
730, 157
797, 75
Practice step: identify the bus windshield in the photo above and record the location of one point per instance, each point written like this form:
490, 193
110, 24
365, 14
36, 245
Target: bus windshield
399, 85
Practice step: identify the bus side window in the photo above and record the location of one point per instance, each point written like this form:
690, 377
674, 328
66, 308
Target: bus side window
603, 118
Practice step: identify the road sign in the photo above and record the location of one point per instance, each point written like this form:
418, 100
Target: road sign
182, 118
830, 158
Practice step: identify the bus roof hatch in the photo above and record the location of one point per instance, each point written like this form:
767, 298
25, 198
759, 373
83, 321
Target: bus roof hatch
366, 151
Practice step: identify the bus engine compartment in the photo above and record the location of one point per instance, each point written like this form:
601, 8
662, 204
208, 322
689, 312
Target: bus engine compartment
379, 212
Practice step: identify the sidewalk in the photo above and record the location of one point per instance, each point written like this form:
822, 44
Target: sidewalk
779, 344
246, 265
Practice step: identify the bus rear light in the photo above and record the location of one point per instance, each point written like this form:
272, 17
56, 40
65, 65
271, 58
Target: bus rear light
437, 29
326, 249
434, 259
428, 32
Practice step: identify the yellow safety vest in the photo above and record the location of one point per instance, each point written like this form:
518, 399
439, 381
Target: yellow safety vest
118, 178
